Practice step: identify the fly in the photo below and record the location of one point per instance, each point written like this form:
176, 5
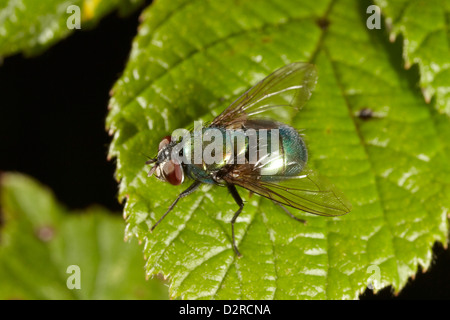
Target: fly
280, 173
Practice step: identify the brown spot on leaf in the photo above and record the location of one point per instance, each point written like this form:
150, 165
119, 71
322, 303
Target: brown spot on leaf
365, 114
323, 23
45, 233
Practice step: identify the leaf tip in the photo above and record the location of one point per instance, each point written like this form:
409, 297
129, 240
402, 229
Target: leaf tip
407, 65
392, 37
426, 95
141, 18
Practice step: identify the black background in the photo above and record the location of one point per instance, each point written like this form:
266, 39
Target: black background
52, 115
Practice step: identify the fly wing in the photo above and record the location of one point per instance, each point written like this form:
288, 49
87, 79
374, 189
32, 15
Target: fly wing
308, 192
290, 86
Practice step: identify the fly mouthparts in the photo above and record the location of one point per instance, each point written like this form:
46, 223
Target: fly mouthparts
152, 170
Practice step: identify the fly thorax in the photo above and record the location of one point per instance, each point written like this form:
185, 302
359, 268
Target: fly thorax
164, 154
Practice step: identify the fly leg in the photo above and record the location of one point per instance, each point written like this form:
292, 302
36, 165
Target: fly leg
240, 203
185, 193
289, 213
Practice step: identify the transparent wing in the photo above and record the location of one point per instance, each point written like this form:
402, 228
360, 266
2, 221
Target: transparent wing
289, 86
308, 192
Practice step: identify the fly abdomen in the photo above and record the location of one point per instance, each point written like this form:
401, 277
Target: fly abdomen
286, 154
272, 149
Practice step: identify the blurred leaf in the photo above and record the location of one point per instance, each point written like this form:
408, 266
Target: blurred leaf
32, 26
425, 26
192, 58
39, 240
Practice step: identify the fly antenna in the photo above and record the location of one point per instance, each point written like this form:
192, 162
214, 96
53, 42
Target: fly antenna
150, 159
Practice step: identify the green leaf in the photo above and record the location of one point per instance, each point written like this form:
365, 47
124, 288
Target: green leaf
426, 41
39, 240
190, 59
32, 26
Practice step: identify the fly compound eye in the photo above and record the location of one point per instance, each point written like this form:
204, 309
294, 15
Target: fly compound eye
164, 142
173, 173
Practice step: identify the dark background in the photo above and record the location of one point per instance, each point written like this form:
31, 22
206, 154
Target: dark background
52, 121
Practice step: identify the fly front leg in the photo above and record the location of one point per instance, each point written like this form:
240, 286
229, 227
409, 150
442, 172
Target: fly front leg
185, 193
240, 203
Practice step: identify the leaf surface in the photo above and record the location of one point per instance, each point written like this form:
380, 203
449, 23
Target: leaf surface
31, 26
191, 59
425, 28
40, 241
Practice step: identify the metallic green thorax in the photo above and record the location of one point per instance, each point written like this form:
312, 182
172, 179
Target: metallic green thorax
285, 152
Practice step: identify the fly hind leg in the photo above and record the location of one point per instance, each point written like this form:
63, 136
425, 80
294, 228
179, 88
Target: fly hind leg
289, 213
240, 203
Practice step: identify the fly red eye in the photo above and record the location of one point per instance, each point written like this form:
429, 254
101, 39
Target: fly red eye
173, 173
164, 142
